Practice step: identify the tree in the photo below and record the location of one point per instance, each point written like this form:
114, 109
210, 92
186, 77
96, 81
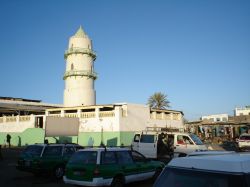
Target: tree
158, 100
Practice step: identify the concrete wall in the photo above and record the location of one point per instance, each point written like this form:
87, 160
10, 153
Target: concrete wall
27, 137
242, 111
16, 124
216, 117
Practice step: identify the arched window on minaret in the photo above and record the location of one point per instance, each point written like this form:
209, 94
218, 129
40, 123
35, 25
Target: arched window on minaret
72, 67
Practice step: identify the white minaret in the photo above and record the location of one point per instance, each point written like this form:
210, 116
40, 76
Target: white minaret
79, 76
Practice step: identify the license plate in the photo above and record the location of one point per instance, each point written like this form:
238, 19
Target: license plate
79, 173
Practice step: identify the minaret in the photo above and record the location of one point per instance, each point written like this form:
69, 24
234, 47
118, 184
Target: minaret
79, 76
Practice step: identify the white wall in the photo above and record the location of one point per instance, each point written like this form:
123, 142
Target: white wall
17, 125
137, 118
216, 118
242, 111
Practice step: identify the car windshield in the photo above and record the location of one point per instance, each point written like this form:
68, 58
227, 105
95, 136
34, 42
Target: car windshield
196, 139
33, 150
85, 157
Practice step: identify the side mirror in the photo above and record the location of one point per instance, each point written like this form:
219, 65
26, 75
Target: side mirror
237, 139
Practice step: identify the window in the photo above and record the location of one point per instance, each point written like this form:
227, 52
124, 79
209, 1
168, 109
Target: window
85, 157
72, 67
137, 157
180, 139
53, 151
187, 140
68, 150
33, 150
146, 138
124, 157
183, 140
108, 157
137, 138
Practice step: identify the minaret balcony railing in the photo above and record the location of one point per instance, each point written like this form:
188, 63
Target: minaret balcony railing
86, 73
76, 50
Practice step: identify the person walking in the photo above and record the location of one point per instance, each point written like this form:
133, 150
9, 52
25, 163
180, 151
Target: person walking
8, 138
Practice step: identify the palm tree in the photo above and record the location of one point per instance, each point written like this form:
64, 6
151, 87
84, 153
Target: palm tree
158, 100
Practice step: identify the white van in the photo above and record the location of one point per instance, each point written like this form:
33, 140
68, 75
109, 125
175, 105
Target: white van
167, 144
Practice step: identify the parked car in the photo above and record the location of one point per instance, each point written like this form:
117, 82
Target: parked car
244, 141
226, 170
46, 158
109, 167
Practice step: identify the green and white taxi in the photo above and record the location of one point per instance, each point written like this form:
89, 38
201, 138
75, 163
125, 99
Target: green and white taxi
46, 158
109, 167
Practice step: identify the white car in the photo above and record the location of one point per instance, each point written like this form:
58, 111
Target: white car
227, 170
210, 153
244, 141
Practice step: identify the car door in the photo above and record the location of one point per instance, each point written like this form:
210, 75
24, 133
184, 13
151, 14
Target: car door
148, 145
145, 168
68, 151
127, 165
136, 142
52, 156
184, 144
109, 166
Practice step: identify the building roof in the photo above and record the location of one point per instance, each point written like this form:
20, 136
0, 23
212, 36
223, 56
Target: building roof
11, 105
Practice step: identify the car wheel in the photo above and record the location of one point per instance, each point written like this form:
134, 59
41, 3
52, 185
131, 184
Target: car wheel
59, 172
117, 182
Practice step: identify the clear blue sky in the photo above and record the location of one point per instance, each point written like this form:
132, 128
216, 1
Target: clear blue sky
195, 51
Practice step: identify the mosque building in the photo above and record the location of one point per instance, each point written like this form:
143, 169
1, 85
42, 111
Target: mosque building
111, 124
